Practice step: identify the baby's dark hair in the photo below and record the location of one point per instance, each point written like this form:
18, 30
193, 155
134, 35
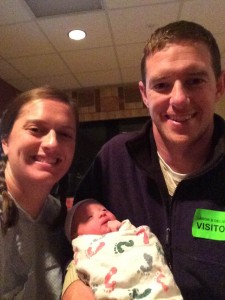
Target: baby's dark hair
70, 218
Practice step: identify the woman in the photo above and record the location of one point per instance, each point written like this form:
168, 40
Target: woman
38, 137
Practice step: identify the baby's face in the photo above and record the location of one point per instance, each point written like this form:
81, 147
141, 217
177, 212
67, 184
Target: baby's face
92, 218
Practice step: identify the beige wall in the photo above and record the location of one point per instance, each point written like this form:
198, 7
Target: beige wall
109, 103
116, 102
106, 103
220, 107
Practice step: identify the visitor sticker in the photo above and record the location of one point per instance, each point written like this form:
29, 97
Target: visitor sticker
209, 224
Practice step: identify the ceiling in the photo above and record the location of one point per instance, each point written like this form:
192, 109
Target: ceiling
36, 50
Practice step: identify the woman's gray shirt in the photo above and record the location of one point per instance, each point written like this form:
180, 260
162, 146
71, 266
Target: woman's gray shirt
30, 256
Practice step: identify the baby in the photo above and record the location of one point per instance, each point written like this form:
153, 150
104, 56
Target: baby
116, 259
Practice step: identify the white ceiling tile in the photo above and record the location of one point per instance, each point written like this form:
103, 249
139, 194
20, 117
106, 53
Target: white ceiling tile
22, 84
208, 13
23, 39
7, 71
90, 60
131, 3
130, 55
38, 66
94, 24
65, 81
132, 74
220, 38
37, 50
134, 25
100, 78
13, 11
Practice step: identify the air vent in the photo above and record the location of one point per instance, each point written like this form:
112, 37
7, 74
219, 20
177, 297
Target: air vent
44, 8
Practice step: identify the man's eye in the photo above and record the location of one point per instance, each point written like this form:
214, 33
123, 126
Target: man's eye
161, 86
194, 81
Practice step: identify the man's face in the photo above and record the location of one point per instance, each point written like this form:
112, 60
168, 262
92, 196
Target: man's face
181, 92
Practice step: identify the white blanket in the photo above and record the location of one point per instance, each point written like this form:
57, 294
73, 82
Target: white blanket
127, 264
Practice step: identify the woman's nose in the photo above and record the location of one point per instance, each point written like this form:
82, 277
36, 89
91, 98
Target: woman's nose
50, 139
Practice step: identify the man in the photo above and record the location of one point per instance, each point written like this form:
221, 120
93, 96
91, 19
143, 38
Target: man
171, 175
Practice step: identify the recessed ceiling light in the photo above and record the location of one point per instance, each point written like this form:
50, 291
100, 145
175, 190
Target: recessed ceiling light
77, 34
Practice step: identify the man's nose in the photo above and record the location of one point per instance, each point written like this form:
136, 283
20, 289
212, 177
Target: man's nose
179, 96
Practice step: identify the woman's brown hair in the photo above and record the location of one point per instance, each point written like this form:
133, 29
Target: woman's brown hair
8, 210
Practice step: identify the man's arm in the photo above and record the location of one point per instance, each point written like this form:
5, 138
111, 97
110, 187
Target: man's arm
78, 290
74, 288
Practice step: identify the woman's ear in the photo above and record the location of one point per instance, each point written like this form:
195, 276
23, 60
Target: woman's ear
5, 146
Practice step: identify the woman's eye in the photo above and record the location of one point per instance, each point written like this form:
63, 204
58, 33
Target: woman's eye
34, 129
66, 135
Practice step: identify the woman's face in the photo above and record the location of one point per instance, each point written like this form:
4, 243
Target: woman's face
41, 145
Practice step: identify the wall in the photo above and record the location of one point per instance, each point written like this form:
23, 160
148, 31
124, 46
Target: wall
103, 112
109, 103
7, 93
116, 102
220, 107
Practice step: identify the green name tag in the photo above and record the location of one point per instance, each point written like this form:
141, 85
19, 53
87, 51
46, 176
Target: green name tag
209, 224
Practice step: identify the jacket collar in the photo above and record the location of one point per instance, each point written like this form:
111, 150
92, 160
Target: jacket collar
142, 147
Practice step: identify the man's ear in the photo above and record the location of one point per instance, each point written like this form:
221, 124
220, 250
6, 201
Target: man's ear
142, 89
5, 146
220, 86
